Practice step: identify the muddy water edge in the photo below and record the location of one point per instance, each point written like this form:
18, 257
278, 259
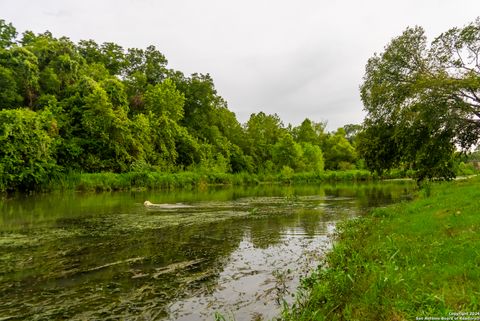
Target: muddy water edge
239, 251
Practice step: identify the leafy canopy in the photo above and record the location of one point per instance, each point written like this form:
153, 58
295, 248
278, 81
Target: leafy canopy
422, 101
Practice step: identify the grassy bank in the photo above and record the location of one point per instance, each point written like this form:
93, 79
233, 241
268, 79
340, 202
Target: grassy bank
412, 260
144, 180
158, 180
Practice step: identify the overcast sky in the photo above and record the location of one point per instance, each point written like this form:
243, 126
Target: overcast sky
299, 59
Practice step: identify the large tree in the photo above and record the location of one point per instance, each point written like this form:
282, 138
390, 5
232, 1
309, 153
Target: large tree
262, 133
422, 101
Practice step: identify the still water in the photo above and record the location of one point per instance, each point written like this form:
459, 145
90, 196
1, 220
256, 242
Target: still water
238, 251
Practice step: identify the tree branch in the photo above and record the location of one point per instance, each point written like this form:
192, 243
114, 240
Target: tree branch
464, 66
473, 97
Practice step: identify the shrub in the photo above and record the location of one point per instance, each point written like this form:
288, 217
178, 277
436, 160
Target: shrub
26, 150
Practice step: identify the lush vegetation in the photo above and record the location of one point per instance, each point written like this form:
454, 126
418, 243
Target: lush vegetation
81, 108
416, 259
422, 102
91, 116
68, 108
199, 179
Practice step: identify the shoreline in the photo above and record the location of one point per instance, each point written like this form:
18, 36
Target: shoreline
139, 181
416, 259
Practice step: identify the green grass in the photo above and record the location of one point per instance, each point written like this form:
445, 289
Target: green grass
143, 180
150, 180
186, 180
406, 261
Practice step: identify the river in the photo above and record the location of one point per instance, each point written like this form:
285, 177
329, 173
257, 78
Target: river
239, 251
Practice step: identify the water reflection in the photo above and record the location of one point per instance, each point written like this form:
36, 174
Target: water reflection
104, 256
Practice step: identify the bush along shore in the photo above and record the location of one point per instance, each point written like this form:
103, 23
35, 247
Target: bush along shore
418, 260
185, 180
157, 180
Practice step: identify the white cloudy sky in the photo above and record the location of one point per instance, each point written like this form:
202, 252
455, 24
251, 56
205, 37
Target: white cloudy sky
299, 59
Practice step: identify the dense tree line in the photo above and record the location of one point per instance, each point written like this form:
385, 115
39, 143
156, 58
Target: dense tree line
91, 107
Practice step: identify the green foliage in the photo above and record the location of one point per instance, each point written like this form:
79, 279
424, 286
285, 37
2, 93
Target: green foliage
310, 132
49, 81
306, 133
351, 132
24, 65
97, 135
339, 150
312, 158
425, 99
8, 33
466, 169
26, 155
135, 87
239, 161
262, 132
201, 100
115, 90
286, 174
154, 66
286, 153
377, 146
110, 109
9, 97
164, 100
112, 57
90, 51
143, 175
164, 131
327, 150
